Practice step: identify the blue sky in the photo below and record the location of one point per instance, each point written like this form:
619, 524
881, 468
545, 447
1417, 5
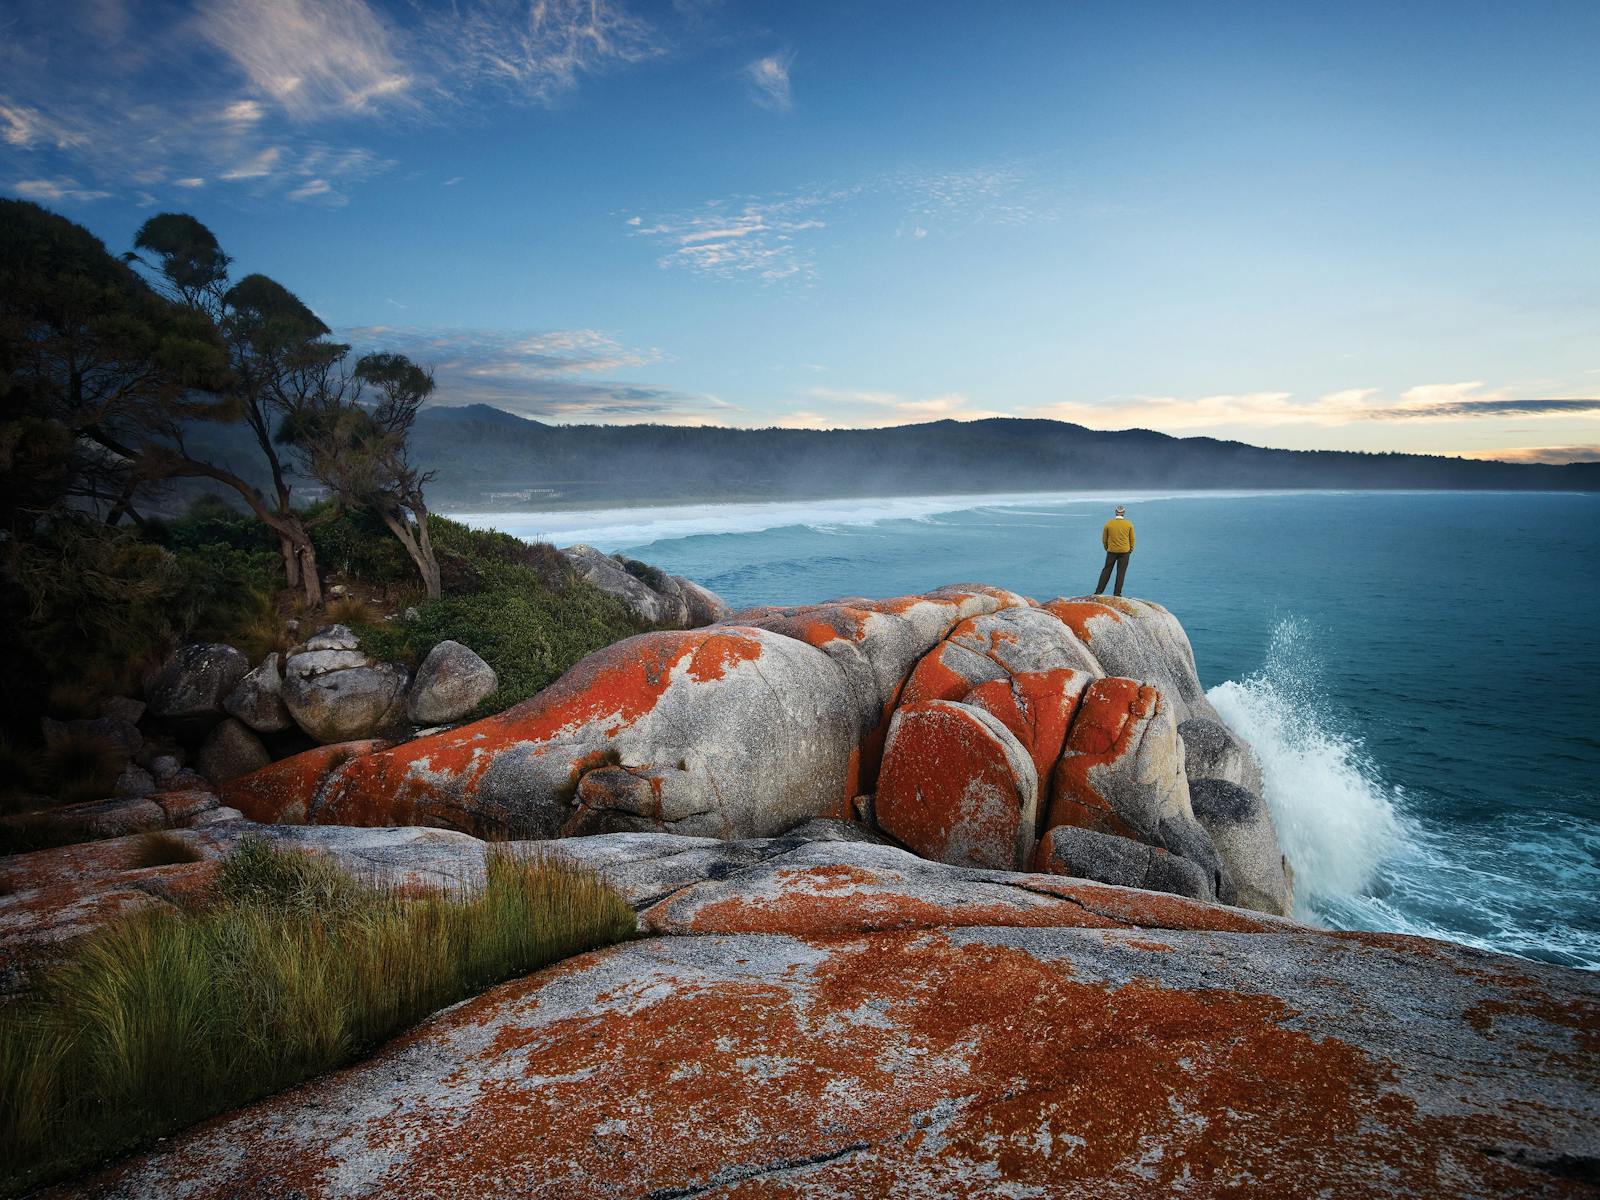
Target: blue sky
1364, 226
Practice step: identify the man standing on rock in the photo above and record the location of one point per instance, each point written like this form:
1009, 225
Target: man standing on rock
1117, 538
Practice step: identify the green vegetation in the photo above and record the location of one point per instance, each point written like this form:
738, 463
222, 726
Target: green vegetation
518, 606
294, 969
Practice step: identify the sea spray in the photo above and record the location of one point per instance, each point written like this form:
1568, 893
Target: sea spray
1335, 820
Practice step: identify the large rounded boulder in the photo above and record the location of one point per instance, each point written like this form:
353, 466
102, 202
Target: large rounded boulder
336, 693
958, 787
450, 683
724, 731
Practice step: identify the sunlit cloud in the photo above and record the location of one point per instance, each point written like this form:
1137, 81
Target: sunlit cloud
839, 409
768, 79
258, 166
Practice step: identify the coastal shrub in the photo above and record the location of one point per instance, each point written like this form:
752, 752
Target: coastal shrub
82, 766
527, 631
165, 1018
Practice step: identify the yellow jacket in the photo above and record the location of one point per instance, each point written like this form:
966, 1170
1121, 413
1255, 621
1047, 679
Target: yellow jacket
1117, 536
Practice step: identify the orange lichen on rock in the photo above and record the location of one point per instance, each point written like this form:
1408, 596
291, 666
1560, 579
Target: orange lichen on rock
287, 791
1038, 707
1110, 714
957, 787
1078, 615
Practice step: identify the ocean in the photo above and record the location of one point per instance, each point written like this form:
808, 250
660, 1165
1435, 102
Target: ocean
1419, 672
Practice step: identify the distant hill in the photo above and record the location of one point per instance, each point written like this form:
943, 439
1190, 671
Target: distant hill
490, 459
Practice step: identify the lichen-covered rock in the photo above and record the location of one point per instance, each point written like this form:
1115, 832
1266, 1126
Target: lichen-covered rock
745, 732
193, 682
340, 695
1037, 707
134, 782
958, 787
290, 789
258, 700
846, 1021
450, 683
1106, 858
1122, 773
330, 637
231, 749
1254, 872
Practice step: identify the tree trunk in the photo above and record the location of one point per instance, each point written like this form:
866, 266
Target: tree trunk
427, 565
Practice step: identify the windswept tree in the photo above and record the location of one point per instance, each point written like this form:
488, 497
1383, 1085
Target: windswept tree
92, 360
278, 358
356, 439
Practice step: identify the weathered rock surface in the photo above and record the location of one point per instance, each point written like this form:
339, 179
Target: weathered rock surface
336, 693
1254, 873
258, 700
192, 684
958, 787
668, 606
841, 1019
1085, 854
1122, 774
450, 683
230, 750
725, 731
705, 606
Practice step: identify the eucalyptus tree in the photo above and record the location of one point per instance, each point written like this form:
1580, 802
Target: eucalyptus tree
277, 349
354, 435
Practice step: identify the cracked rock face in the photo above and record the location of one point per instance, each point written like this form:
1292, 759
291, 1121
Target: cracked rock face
827, 1020
258, 700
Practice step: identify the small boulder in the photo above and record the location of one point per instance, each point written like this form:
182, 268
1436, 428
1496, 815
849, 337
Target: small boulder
123, 708
333, 637
231, 750
134, 783
338, 694
450, 683
705, 606
258, 700
1106, 858
957, 787
193, 682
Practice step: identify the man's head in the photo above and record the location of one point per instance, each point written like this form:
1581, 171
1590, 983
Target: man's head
1121, 512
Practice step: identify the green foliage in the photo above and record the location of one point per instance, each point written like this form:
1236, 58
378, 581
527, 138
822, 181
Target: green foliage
355, 541
165, 1018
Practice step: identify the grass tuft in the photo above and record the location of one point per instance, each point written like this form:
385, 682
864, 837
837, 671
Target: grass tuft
165, 1018
349, 610
83, 766
160, 848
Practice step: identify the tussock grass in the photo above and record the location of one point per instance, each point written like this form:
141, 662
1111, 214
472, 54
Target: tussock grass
349, 610
160, 848
82, 766
166, 1018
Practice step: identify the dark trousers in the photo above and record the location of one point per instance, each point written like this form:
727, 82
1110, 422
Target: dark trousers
1120, 562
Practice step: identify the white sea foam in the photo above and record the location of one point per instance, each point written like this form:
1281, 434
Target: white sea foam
611, 529
1336, 821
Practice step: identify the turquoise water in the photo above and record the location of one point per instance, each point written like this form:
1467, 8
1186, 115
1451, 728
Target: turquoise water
1419, 672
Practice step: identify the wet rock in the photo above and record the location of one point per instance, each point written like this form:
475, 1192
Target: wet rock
1254, 872
450, 683
957, 787
1084, 854
192, 684
1213, 751
258, 700
231, 749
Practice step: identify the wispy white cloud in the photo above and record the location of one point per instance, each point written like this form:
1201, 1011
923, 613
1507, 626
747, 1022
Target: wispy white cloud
1551, 455
257, 166
312, 58
776, 237
452, 181
25, 127
311, 189
55, 190
768, 80
867, 409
